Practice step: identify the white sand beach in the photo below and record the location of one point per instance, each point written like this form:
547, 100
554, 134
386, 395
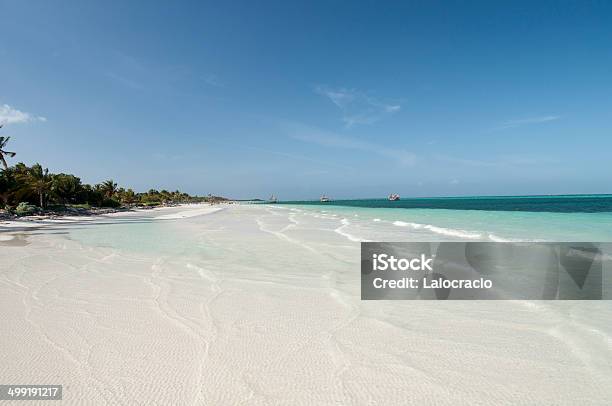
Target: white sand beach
260, 305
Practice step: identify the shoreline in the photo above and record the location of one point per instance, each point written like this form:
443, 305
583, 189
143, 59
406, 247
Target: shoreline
381, 224
39, 220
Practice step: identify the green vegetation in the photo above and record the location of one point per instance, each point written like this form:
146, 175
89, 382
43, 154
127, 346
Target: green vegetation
24, 209
28, 190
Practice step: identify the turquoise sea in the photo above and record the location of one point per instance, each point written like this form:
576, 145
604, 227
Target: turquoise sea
560, 218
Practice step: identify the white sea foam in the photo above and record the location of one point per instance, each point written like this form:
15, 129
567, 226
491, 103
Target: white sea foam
453, 233
496, 238
440, 230
404, 224
278, 207
340, 230
473, 235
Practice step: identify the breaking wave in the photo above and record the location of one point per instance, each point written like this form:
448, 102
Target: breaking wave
451, 232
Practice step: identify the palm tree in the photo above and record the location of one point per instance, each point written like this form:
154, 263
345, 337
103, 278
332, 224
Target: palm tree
3, 142
109, 188
38, 181
8, 186
128, 197
66, 188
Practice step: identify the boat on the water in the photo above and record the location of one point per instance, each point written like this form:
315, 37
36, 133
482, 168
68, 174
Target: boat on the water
394, 196
272, 199
324, 199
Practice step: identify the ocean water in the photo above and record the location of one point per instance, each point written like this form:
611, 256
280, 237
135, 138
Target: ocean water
551, 204
548, 219
521, 218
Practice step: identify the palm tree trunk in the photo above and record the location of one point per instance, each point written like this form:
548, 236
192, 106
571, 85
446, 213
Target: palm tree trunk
40, 195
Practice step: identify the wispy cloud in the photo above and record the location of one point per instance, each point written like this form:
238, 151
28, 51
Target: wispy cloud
142, 74
465, 162
10, 115
329, 139
511, 160
525, 121
298, 157
213, 80
357, 107
132, 84
127, 70
161, 156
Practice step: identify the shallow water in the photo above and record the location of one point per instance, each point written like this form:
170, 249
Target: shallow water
436, 224
261, 305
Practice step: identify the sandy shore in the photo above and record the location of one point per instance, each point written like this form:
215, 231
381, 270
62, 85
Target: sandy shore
259, 305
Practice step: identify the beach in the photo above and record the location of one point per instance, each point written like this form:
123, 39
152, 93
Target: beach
260, 304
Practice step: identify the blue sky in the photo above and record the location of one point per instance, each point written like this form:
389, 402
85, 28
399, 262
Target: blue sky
352, 99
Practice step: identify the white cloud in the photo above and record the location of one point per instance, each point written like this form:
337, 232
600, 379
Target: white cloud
10, 115
328, 139
524, 121
357, 107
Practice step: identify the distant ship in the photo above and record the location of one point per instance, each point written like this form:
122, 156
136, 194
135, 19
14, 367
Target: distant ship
324, 199
273, 199
393, 197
